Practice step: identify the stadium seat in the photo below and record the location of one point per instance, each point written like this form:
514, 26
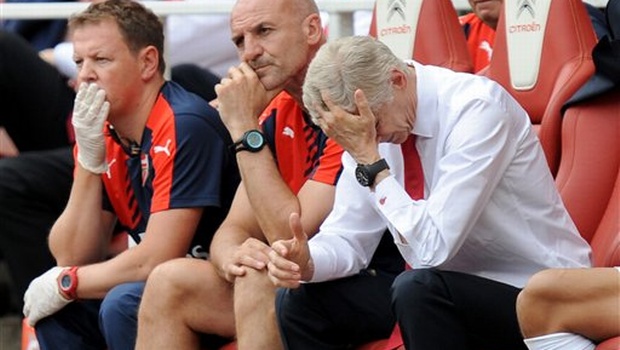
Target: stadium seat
542, 55
425, 30
589, 178
590, 161
606, 240
606, 243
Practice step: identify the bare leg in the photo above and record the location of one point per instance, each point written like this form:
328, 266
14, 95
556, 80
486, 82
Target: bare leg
183, 297
580, 301
255, 312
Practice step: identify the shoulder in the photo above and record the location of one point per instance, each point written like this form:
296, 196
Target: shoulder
182, 101
182, 115
280, 107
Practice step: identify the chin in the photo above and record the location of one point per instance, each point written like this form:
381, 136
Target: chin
269, 83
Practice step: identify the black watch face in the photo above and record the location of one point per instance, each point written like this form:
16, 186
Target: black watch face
362, 176
254, 140
65, 281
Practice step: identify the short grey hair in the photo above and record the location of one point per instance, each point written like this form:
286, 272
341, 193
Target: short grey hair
344, 65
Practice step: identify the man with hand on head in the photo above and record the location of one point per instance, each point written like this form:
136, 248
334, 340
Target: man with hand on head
287, 165
149, 155
449, 163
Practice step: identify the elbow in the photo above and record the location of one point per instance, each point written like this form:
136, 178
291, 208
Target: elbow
62, 253
69, 252
75, 257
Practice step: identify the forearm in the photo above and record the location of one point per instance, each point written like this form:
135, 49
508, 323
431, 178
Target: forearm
271, 199
81, 235
130, 266
168, 236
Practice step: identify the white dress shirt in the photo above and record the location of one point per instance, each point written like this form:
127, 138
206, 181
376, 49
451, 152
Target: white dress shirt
490, 204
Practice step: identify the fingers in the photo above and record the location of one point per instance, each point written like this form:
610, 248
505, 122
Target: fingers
89, 94
215, 103
246, 257
329, 112
285, 267
297, 229
91, 107
282, 272
98, 110
245, 69
81, 91
362, 103
98, 99
233, 271
282, 282
103, 112
254, 260
242, 71
328, 104
253, 253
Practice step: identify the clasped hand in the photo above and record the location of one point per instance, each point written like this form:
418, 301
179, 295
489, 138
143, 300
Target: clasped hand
241, 98
251, 254
290, 261
90, 112
43, 297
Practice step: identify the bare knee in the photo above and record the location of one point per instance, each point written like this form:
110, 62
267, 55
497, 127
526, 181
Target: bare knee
166, 285
536, 304
253, 278
254, 290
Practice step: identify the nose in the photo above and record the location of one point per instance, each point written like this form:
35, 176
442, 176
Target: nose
252, 49
86, 73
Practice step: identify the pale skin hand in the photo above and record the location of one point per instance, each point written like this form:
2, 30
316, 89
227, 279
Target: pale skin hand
290, 261
251, 254
356, 134
241, 97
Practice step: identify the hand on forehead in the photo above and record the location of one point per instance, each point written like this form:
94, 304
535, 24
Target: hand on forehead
328, 105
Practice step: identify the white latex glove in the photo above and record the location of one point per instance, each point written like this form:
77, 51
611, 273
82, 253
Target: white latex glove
43, 297
90, 112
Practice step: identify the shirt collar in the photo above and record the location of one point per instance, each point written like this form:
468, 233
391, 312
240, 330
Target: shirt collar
426, 111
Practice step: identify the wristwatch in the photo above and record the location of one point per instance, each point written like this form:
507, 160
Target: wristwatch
68, 282
252, 140
366, 173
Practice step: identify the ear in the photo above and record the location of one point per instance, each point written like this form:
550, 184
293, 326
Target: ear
398, 79
149, 60
313, 29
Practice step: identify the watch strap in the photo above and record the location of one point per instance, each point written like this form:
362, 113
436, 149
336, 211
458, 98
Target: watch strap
374, 169
242, 145
71, 290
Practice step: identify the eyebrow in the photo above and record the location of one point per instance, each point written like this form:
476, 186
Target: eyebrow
254, 29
